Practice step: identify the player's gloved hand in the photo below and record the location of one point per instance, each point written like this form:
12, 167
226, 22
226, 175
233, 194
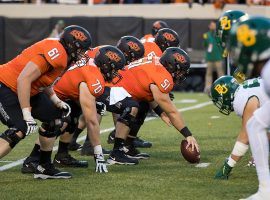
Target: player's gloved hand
171, 96
192, 141
101, 108
61, 105
29, 120
101, 166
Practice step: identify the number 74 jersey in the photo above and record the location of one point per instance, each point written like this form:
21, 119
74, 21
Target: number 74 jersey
250, 88
139, 75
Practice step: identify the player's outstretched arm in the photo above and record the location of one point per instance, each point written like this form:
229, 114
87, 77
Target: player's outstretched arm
88, 105
174, 115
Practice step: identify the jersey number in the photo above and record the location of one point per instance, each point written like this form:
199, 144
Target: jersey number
249, 84
98, 87
166, 83
54, 53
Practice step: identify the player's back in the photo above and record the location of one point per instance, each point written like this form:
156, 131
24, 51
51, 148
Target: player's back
139, 75
250, 88
47, 54
68, 86
150, 47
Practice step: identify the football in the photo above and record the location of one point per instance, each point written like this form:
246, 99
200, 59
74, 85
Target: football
188, 154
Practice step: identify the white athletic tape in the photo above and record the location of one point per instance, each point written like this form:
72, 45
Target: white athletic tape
19, 162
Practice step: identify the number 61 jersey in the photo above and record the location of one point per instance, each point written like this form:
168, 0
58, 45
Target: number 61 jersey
139, 75
68, 85
249, 88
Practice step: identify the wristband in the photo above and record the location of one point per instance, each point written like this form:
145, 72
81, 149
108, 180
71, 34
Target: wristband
27, 113
158, 110
185, 132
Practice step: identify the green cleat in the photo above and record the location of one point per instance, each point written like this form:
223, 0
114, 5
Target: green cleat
224, 172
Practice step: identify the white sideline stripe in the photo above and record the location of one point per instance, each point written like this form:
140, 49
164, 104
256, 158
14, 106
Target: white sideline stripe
203, 165
19, 162
6, 161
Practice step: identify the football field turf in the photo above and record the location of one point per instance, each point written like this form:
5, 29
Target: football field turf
166, 175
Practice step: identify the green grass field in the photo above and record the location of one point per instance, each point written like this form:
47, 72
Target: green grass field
166, 175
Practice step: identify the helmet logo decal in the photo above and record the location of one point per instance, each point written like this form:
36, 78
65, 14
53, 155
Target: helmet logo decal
133, 46
78, 35
225, 23
169, 37
180, 58
246, 36
113, 56
221, 89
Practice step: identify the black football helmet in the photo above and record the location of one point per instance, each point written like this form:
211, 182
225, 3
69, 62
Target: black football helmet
109, 59
167, 38
157, 25
131, 47
76, 41
177, 63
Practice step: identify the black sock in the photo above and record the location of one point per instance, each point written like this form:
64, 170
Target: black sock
45, 157
130, 140
118, 143
36, 151
76, 134
63, 147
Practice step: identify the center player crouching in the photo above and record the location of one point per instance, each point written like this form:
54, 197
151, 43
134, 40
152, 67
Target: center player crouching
81, 85
150, 79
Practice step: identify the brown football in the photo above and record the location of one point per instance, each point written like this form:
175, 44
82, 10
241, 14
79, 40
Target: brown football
188, 154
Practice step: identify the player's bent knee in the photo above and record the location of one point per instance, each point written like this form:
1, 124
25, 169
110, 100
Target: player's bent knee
11, 137
50, 130
127, 117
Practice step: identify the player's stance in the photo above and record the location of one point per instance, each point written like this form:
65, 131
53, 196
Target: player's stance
244, 99
157, 25
250, 49
21, 81
150, 79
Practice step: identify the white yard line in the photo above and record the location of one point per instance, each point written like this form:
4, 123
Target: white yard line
19, 162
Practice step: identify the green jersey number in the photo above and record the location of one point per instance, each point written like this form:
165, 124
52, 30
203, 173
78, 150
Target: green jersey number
251, 83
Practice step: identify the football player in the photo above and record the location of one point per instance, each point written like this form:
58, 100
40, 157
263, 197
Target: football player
21, 81
81, 85
228, 95
155, 28
150, 79
250, 49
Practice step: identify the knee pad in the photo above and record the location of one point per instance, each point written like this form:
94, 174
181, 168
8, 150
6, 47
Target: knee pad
126, 118
11, 137
52, 129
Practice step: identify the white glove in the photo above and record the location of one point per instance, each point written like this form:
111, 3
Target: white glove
30, 121
61, 105
101, 107
101, 166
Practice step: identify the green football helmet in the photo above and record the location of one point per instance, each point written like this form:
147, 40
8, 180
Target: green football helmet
249, 43
224, 25
222, 93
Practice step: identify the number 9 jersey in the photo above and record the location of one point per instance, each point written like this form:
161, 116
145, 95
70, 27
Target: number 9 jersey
249, 88
139, 75
50, 57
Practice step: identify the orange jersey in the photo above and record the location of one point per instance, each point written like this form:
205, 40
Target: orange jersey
151, 48
139, 75
50, 57
147, 37
68, 86
92, 52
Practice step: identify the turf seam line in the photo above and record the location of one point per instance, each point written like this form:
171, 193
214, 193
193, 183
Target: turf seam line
20, 161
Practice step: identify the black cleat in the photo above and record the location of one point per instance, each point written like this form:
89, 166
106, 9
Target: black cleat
88, 150
48, 171
118, 156
132, 152
139, 143
111, 137
29, 165
66, 160
74, 146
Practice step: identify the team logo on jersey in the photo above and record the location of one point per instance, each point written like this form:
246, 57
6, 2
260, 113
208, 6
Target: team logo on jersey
169, 36
78, 35
246, 36
180, 58
133, 46
225, 23
113, 56
221, 89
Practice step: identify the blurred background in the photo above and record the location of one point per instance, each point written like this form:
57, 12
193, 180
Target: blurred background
23, 22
